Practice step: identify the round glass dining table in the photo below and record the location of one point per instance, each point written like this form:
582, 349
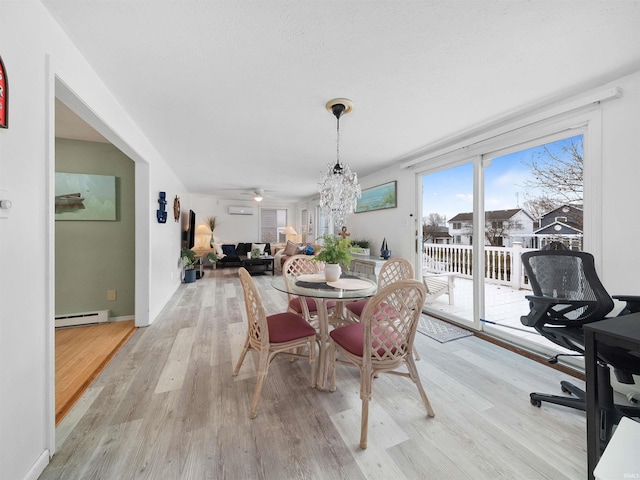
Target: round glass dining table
347, 288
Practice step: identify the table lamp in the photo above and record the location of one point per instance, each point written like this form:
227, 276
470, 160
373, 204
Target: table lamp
203, 233
289, 230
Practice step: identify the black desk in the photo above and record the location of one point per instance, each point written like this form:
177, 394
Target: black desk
621, 332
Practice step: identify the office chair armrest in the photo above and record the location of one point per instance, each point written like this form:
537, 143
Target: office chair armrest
632, 303
538, 309
542, 310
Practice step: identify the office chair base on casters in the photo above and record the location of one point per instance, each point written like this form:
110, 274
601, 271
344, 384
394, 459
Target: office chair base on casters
577, 402
567, 387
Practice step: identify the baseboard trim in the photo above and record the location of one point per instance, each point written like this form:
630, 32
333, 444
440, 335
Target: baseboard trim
123, 318
38, 467
537, 357
531, 355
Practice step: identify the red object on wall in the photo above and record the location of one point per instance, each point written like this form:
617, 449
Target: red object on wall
4, 97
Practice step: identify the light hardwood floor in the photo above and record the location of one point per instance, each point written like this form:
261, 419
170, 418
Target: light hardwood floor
81, 354
167, 407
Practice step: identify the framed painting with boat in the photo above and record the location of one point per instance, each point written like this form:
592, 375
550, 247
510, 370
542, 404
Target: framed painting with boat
81, 196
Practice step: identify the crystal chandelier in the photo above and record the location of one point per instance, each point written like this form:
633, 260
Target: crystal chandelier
338, 186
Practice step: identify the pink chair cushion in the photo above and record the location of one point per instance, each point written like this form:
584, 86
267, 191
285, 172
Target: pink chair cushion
311, 305
284, 327
356, 307
351, 338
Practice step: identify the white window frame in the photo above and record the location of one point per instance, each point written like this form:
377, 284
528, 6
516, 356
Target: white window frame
279, 229
587, 122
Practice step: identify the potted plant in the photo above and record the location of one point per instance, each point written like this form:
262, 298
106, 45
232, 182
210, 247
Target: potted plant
213, 259
189, 262
212, 223
334, 253
361, 247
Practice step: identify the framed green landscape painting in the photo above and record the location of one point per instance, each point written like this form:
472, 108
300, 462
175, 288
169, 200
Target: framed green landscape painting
378, 198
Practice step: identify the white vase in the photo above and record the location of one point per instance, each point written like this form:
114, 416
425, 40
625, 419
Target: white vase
332, 272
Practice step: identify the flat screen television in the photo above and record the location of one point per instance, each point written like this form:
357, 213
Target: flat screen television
190, 233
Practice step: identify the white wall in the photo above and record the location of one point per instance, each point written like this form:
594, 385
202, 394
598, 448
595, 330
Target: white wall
234, 228
35, 52
397, 225
164, 243
621, 193
23, 338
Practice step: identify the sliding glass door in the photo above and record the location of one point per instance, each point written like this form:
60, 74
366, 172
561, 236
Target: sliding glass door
533, 196
478, 217
446, 259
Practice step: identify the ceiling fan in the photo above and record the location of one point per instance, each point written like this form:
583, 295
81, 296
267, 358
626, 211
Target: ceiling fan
257, 194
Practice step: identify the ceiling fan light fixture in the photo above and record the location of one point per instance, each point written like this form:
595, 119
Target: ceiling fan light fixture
258, 198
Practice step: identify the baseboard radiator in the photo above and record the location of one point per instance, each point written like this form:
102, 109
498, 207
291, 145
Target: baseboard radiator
83, 318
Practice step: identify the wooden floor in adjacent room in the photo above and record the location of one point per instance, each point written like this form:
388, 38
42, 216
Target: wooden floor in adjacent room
167, 407
81, 354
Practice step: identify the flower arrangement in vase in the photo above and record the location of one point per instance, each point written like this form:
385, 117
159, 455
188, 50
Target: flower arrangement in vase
212, 223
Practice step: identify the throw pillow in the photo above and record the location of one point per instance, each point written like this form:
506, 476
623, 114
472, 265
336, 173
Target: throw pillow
218, 249
259, 246
229, 250
308, 250
291, 248
242, 249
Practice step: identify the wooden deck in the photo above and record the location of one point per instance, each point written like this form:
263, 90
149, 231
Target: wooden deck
503, 306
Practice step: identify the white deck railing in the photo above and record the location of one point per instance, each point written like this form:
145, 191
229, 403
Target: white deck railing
502, 265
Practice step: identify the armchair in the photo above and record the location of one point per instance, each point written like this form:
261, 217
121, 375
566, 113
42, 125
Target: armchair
568, 294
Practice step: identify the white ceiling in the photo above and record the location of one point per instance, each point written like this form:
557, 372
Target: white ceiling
70, 125
236, 91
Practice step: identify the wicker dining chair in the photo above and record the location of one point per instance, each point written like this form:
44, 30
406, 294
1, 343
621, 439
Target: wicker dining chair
392, 270
381, 342
306, 307
270, 335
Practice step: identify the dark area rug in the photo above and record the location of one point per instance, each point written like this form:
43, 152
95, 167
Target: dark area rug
441, 331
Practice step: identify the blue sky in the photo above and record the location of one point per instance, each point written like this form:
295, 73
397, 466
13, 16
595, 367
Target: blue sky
450, 191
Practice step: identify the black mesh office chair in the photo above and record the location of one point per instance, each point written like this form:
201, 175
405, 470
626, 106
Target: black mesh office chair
568, 294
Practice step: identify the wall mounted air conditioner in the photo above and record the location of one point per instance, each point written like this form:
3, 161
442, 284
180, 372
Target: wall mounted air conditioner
240, 210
